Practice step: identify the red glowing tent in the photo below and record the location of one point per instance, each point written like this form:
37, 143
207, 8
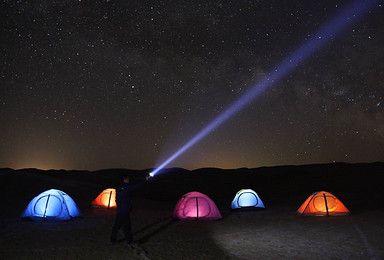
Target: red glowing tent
106, 199
322, 203
196, 205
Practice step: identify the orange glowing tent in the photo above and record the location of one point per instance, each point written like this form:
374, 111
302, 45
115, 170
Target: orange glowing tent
322, 203
106, 199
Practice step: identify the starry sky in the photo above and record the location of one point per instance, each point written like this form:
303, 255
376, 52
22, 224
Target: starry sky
123, 84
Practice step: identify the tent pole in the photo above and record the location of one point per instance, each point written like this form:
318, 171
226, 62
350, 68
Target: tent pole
197, 207
312, 196
46, 205
326, 204
109, 201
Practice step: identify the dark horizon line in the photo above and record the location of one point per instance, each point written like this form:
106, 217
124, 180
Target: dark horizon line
202, 168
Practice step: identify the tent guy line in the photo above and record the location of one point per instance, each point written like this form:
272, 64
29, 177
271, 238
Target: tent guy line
319, 39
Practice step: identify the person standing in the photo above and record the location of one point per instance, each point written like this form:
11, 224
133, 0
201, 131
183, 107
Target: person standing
123, 208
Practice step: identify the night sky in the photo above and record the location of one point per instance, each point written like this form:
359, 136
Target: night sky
123, 84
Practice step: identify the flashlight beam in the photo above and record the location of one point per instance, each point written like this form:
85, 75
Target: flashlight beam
319, 39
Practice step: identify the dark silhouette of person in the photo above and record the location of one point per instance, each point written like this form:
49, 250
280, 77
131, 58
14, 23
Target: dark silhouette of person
124, 205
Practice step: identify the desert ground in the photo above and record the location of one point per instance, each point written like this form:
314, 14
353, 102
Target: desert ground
276, 232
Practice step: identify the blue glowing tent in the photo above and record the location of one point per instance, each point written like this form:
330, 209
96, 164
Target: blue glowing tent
246, 198
52, 205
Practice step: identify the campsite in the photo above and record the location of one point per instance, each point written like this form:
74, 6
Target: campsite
254, 128
274, 232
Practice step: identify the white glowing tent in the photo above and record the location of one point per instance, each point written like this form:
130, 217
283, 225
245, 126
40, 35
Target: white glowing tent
246, 198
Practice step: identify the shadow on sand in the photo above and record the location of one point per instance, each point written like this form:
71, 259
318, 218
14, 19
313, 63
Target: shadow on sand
153, 229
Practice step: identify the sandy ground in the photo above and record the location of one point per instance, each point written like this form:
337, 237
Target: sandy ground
275, 233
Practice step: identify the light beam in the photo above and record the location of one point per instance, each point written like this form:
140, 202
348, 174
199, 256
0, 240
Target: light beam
318, 40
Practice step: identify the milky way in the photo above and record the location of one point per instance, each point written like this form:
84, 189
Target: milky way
106, 84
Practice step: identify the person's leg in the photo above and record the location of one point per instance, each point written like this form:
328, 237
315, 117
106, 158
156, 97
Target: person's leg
127, 228
118, 224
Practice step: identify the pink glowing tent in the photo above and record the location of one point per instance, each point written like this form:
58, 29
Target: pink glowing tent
196, 205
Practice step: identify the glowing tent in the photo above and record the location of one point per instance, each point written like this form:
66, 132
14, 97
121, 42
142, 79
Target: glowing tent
52, 205
322, 203
196, 205
246, 198
106, 199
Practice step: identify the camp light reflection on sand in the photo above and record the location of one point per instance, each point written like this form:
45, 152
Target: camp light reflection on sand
267, 235
318, 40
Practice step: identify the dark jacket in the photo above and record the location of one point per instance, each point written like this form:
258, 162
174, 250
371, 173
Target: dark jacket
124, 196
